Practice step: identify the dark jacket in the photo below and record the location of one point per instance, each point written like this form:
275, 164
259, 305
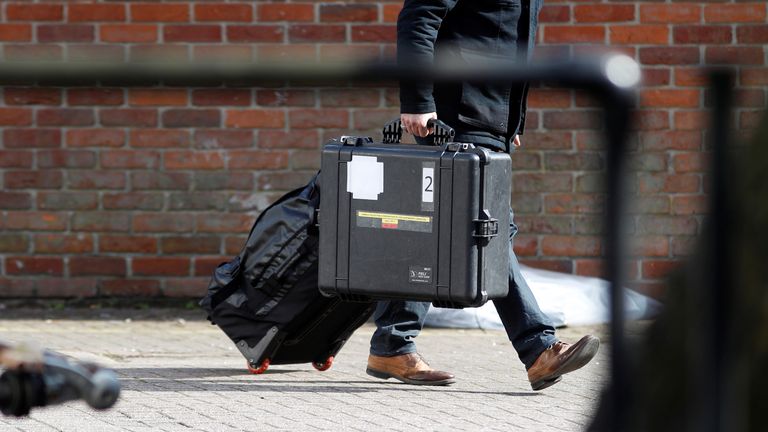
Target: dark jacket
468, 31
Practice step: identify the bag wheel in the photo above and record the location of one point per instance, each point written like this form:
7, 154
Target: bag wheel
323, 366
259, 370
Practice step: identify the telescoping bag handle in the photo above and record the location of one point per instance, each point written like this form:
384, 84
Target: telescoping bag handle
442, 134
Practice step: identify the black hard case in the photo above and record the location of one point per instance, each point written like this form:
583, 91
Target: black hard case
385, 249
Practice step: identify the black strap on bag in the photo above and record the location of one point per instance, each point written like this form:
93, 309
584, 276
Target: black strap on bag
443, 134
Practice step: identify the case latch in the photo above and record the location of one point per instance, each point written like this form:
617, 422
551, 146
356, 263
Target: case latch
355, 140
486, 227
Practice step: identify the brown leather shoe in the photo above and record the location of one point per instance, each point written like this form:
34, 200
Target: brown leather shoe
408, 368
560, 359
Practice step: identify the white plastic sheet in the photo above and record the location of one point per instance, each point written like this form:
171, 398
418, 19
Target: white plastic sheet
567, 300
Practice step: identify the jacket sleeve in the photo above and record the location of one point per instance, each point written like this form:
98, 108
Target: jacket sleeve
417, 27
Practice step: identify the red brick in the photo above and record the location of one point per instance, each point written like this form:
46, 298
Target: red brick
757, 34
690, 204
549, 98
574, 34
572, 120
539, 182
650, 120
156, 180
165, 12
160, 266
96, 12
255, 119
285, 97
158, 97
305, 52
306, 139
639, 34
658, 269
223, 12
319, 118
732, 55
753, 76
18, 243
671, 140
684, 246
65, 117
669, 183
129, 288
127, 244
159, 52
223, 223
219, 181
191, 245
15, 117
669, 55
348, 13
33, 179
192, 118
671, 13
668, 225
67, 200
665, 98
96, 53
96, 266
128, 33
15, 159
130, 159
192, 33
63, 244
580, 161
66, 159
698, 34
317, 33
562, 266
128, 117
258, 160
34, 266
15, 200
601, 13
690, 77
255, 33
590, 267
195, 160
186, 287
211, 139
34, 12
390, 12
34, 52
95, 96
372, 119
222, 53
690, 162
645, 246
691, 120
573, 203
221, 97
374, 33
31, 138
163, 223
93, 179
550, 14
233, 245
66, 287
65, 33
204, 266
32, 96
132, 201
570, 246
95, 138
656, 77
15, 32
159, 138
734, 13
36, 221
286, 12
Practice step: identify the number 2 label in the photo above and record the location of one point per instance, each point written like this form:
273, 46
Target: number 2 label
427, 184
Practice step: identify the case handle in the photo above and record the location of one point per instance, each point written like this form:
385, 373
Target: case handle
442, 134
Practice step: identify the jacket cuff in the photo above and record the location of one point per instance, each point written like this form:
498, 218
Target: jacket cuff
417, 108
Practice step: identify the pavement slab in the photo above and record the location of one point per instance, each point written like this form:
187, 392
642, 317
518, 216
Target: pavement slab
179, 373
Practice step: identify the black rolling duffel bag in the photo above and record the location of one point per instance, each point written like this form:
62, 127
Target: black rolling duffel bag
428, 223
266, 299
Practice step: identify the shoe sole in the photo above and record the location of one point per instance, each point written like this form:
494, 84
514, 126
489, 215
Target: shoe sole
576, 361
385, 375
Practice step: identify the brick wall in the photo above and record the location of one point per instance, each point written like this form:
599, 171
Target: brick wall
118, 191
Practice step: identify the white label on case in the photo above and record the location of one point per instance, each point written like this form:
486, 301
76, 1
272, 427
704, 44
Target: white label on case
365, 177
427, 185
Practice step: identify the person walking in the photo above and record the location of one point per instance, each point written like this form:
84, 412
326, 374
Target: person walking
488, 115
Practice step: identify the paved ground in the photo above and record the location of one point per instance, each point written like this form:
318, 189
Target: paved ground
181, 374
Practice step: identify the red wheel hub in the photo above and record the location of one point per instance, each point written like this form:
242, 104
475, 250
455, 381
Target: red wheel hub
323, 366
260, 369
